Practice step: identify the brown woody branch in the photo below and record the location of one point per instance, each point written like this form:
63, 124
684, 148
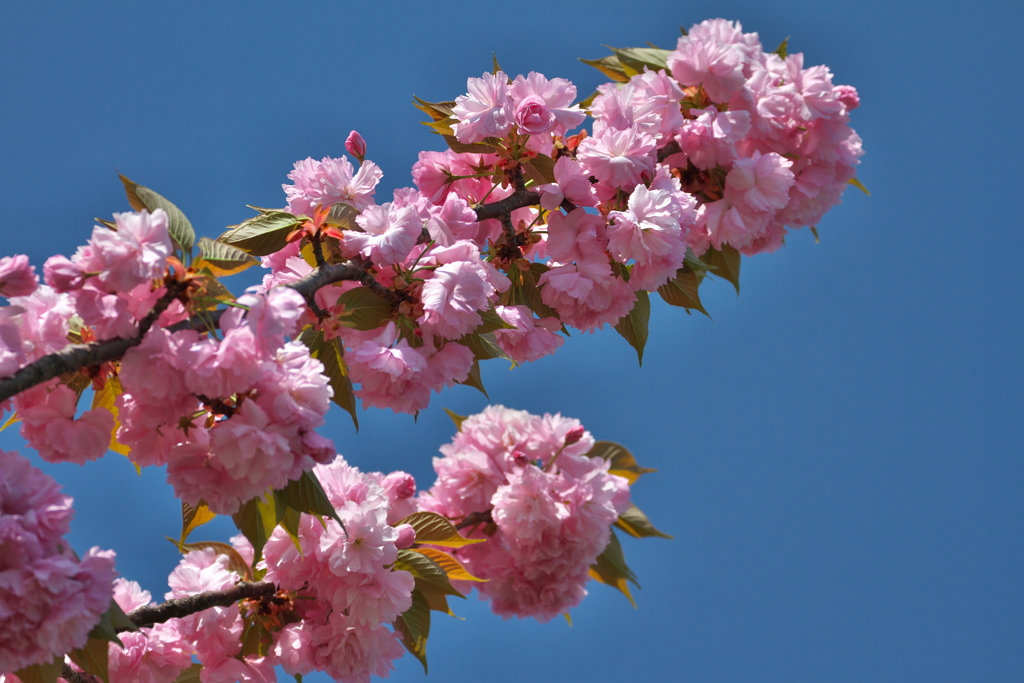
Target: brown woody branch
193, 604
72, 676
77, 356
506, 206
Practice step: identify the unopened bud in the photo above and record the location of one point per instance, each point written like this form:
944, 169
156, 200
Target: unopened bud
406, 536
356, 145
400, 283
574, 435
400, 485
519, 459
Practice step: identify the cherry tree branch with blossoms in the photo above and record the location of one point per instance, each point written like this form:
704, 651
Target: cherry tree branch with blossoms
517, 232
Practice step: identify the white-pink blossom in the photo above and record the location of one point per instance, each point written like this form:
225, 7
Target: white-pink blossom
486, 111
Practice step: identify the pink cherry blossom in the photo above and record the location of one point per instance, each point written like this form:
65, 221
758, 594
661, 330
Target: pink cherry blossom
135, 253
330, 181
49, 425
390, 233
486, 111
760, 182
544, 106
355, 145
619, 158
716, 66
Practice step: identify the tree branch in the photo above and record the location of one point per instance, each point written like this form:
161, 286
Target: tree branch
77, 356
72, 676
506, 206
193, 604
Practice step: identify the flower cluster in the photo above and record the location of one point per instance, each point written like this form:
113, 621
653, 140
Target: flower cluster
49, 599
550, 507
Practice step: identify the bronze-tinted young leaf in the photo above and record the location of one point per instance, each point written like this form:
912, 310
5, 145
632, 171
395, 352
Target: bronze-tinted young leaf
540, 169
256, 519
422, 567
438, 111
190, 675
256, 639
306, 494
236, 562
859, 185
193, 517
92, 658
634, 325
262, 235
635, 523
342, 216
494, 61
434, 529
331, 354
107, 398
817, 238
452, 567
437, 599
610, 568
466, 147
364, 310
41, 673
610, 66
783, 49
725, 264
682, 291
221, 258
13, 419
414, 625
621, 461
637, 58
179, 227
456, 418
474, 379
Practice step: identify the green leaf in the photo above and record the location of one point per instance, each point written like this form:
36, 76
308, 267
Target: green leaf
456, 418
221, 258
331, 354
179, 227
491, 322
192, 518
437, 599
414, 625
540, 169
636, 58
433, 529
726, 264
610, 568
609, 66
42, 673
112, 621
473, 379
256, 519
306, 494
621, 461
635, 523
190, 675
859, 185
364, 310
236, 562
633, 326
92, 658
682, 290
483, 346
783, 49
264, 234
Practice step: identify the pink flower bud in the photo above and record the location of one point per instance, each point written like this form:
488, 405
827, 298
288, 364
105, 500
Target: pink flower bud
574, 435
63, 274
847, 94
356, 145
518, 459
406, 536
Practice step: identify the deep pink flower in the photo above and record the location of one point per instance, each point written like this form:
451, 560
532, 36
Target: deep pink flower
356, 145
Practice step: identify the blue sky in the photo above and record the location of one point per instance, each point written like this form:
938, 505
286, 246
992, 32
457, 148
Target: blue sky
840, 448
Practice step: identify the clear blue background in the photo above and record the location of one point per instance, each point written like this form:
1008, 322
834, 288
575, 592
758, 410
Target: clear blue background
840, 448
